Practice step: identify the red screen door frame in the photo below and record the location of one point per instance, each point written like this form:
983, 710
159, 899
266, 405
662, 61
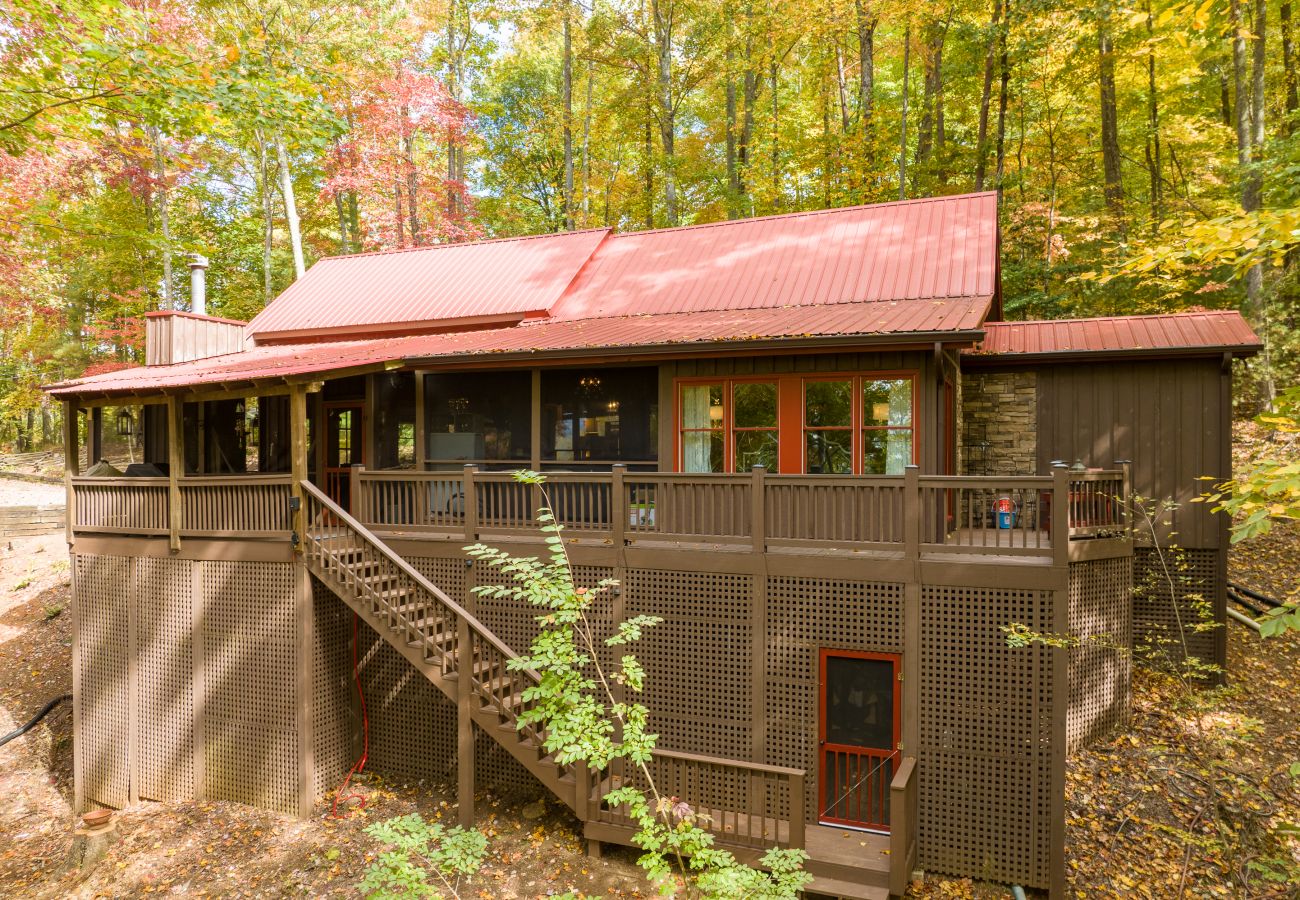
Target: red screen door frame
853, 781
338, 473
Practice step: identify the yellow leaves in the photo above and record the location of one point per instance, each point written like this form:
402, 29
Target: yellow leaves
232, 54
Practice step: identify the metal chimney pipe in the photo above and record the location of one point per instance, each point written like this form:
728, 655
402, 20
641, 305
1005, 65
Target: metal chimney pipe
198, 284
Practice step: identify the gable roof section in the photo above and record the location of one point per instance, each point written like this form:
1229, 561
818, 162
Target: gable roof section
942, 247
822, 327
1169, 334
446, 285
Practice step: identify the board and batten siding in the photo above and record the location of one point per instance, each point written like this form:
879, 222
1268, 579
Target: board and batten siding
181, 337
1171, 418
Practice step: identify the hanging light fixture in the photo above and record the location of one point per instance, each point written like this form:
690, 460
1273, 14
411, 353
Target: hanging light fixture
125, 423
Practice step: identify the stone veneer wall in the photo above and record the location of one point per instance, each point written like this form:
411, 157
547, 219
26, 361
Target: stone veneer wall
999, 423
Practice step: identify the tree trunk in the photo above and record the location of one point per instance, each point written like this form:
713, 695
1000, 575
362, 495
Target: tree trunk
164, 226
1110, 155
902, 130
1290, 102
986, 97
412, 178
929, 135
586, 150
777, 193
867, 78
568, 117
1004, 91
662, 11
290, 209
733, 173
268, 219
1153, 125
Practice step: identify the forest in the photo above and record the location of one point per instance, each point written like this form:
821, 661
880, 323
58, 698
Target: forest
1146, 153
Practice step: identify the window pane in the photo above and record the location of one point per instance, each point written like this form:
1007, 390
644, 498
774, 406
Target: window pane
701, 451
828, 403
479, 415
887, 402
886, 452
756, 448
600, 415
828, 452
702, 406
755, 405
860, 702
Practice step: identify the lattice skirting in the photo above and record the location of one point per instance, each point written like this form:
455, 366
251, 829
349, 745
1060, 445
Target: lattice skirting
1200, 590
1101, 616
184, 681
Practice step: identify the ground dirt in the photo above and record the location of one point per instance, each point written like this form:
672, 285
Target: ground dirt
1149, 815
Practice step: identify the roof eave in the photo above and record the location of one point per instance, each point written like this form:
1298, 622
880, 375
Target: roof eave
1004, 358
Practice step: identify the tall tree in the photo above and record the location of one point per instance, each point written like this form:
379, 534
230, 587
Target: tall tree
1109, 120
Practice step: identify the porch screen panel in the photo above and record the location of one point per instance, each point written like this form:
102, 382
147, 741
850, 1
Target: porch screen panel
600, 416
394, 420
479, 417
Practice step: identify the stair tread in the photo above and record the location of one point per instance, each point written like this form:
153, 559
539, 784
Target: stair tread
849, 890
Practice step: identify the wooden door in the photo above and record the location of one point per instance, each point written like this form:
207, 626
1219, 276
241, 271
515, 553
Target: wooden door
344, 447
861, 705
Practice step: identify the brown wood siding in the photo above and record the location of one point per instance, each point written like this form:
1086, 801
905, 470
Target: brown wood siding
929, 389
1166, 416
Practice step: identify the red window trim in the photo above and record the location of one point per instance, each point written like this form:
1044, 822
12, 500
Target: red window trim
790, 414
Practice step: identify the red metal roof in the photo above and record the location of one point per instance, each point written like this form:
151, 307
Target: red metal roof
914, 249
863, 323
500, 280
1166, 333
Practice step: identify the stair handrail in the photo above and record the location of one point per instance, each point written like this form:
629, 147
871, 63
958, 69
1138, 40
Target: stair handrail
407, 569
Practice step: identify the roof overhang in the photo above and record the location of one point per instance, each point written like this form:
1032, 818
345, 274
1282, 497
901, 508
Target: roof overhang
1061, 357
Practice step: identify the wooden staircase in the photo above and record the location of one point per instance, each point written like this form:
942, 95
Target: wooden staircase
469, 664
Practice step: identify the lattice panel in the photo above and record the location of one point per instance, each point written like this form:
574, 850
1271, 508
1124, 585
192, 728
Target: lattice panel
162, 589
446, 572
803, 616
102, 701
985, 758
334, 707
412, 724
1155, 617
1101, 605
698, 661
248, 627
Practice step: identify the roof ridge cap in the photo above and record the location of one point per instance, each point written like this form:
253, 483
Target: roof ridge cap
449, 244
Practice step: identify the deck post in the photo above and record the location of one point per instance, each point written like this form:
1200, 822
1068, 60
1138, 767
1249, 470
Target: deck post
71, 466
175, 469
304, 638
912, 512
359, 510
618, 512
757, 510
464, 725
1060, 515
912, 610
470, 501
798, 811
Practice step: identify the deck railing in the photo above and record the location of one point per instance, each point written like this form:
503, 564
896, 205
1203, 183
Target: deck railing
210, 506
961, 515
742, 804
912, 514
903, 831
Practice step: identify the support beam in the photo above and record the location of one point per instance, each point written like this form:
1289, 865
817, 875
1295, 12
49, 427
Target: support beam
95, 436
71, 465
298, 460
421, 426
175, 469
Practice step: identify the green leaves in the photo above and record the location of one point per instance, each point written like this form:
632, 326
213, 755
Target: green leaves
417, 851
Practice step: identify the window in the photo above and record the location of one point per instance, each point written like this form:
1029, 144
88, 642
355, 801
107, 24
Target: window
824, 424
886, 426
755, 437
703, 437
828, 427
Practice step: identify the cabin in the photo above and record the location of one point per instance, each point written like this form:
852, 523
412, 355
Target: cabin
808, 442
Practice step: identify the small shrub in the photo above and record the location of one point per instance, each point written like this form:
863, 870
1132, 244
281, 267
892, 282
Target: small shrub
417, 851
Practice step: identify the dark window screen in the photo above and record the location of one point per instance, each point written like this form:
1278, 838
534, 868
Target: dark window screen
600, 415
479, 416
860, 702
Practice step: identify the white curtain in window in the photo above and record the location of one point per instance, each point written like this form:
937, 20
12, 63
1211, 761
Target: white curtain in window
695, 414
898, 444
